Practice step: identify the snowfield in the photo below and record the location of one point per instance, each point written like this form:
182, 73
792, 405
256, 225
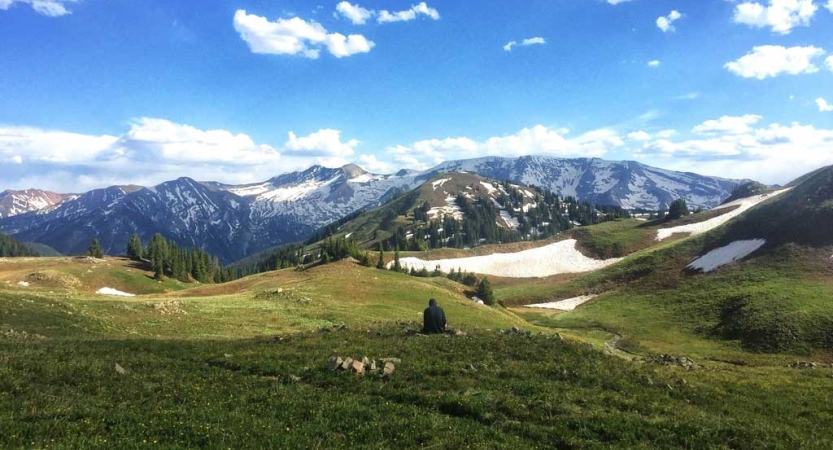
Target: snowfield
111, 291
554, 259
726, 255
693, 229
565, 305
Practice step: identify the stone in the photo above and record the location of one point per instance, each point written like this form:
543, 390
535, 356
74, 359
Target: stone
391, 360
365, 361
120, 369
388, 369
334, 363
357, 367
347, 363
373, 366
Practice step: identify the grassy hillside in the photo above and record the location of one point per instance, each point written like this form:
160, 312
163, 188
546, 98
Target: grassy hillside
83, 275
778, 300
206, 371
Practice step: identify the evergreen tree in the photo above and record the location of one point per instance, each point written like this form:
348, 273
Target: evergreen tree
380, 264
95, 249
134, 248
397, 266
484, 292
677, 209
11, 248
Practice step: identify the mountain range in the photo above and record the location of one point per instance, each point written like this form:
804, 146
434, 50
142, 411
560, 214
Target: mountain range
236, 221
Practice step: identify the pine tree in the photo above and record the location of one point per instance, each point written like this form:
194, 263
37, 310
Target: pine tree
484, 292
134, 248
397, 266
95, 249
677, 209
380, 264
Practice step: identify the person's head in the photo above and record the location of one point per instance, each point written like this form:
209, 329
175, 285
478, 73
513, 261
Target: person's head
432, 302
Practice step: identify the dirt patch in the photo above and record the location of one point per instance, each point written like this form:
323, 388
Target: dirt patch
51, 278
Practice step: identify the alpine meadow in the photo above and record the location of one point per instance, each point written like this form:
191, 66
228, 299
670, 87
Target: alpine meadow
597, 224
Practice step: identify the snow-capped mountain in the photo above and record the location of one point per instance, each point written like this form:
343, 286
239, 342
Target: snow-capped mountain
235, 221
625, 183
13, 203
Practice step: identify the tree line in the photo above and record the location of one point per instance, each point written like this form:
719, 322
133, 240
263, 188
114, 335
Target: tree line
182, 263
11, 248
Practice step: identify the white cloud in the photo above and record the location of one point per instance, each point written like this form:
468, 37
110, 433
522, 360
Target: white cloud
829, 5
422, 8
355, 13
772, 154
341, 46
666, 23
51, 8
326, 142
295, 36
727, 125
372, 164
639, 136
616, 2
654, 63
538, 140
781, 16
525, 43
829, 61
149, 152
773, 60
823, 105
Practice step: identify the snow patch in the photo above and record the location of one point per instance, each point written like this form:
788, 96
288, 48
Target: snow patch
511, 222
726, 255
111, 291
23, 284
554, 259
565, 305
693, 229
451, 209
489, 187
439, 183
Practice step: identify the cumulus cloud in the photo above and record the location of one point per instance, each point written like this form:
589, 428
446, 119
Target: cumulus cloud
666, 23
829, 61
727, 125
538, 140
354, 13
422, 8
773, 60
823, 105
51, 8
654, 63
781, 16
639, 136
326, 142
737, 147
525, 43
829, 5
155, 150
295, 36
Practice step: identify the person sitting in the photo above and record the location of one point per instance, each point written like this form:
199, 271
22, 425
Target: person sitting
433, 319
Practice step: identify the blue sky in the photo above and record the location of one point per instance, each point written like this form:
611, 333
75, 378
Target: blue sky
98, 92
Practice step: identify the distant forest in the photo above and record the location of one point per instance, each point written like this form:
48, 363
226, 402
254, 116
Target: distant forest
11, 248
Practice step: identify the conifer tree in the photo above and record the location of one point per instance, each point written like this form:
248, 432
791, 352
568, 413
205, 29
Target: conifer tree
397, 266
380, 264
95, 249
485, 293
134, 248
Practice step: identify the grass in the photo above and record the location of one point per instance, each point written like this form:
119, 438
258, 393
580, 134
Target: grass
256, 393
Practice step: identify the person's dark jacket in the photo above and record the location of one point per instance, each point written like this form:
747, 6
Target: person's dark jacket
433, 318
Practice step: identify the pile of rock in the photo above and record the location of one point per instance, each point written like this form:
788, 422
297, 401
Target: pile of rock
809, 365
20, 335
669, 360
167, 308
364, 365
517, 332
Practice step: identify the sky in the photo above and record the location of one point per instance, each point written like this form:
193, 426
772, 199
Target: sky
102, 92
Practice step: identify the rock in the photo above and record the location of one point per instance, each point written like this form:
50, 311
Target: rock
456, 332
391, 360
347, 363
365, 361
334, 363
373, 366
277, 339
120, 369
357, 367
228, 355
515, 330
295, 378
388, 369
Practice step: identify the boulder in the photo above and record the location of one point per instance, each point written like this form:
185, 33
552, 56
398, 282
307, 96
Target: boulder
121, 370
388, 369
357, 367
347, 363
334, 363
